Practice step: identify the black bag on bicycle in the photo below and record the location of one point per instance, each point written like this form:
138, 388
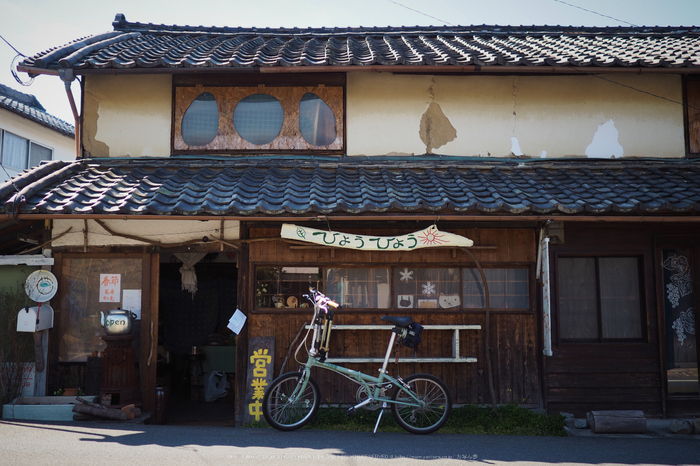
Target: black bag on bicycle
413, 338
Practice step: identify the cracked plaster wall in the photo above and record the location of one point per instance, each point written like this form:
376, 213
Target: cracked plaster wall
501, 116
127, 115
532, 116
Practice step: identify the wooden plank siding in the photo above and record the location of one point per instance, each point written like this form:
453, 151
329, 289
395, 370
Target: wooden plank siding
586, 376
514, 335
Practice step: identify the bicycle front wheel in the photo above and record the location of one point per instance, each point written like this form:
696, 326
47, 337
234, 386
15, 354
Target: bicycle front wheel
435, 409
285, 406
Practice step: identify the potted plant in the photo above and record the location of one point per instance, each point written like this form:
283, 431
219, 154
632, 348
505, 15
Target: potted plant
71, 382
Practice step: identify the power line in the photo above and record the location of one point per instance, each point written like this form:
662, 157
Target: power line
12, 47
421, 13
594, 12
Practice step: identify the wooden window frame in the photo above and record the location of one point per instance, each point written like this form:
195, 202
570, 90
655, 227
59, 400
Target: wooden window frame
599, 339
229, 90
394, 270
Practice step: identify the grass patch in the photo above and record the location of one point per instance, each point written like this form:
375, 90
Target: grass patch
507, 420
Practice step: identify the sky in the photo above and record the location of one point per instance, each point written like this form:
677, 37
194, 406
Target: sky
33, 26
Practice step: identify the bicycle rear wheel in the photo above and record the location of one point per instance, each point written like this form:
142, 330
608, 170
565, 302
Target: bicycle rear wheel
436, 408
284, 413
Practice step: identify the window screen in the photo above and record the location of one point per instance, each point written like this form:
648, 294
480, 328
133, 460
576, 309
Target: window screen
201, 120
508, 288
258, 118
14, 151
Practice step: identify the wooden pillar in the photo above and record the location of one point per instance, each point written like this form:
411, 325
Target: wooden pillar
245, 305
149, 331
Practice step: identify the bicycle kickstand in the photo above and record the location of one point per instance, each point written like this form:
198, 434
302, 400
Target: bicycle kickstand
381, 411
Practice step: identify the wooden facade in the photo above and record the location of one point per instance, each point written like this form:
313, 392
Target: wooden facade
514, 335
580, 376
586, 376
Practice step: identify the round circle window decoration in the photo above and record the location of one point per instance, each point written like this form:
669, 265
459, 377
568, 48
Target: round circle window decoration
258, 118
41, 286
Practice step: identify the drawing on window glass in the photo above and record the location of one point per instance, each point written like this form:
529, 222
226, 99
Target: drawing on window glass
406, 275
684, 324
681, 282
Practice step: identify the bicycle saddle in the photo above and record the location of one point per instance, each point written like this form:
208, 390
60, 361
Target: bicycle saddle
401, 321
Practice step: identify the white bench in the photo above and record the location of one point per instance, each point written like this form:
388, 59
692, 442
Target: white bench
455, 344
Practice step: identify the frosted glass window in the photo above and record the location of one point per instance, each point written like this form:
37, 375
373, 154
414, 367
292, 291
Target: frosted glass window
14, 151
599, 298
316, 120
38, 153
200, 124
258, 118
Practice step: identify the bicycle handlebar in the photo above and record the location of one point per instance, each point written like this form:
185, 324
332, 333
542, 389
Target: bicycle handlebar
321, 300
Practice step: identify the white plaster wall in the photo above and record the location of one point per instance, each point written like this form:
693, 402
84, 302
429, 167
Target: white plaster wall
499, 116
127, 115
532, 116
63, 146
163, 231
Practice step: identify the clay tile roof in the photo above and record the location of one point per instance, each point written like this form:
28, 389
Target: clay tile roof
27, 106
137, 45
275, 186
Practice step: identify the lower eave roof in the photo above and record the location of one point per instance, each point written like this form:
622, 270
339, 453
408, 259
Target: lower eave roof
278, 186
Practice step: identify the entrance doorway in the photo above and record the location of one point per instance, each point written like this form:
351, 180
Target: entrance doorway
196, 349
680, 311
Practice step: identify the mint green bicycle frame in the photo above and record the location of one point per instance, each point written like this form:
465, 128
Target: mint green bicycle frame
381, 383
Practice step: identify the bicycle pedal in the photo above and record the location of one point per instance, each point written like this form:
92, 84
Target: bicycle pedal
352, 411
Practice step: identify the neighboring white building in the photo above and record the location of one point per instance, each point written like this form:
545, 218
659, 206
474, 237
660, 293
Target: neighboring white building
29, 135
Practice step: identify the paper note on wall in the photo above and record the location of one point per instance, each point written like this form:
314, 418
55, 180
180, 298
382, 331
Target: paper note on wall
236, 322
110, 287
131, 300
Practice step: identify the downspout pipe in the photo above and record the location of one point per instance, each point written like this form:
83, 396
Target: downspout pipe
67, 76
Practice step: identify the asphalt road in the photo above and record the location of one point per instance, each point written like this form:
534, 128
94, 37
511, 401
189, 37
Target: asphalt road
94, 443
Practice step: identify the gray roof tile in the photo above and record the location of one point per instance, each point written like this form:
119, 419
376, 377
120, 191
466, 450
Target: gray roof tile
27, 106
271, 186
138, 45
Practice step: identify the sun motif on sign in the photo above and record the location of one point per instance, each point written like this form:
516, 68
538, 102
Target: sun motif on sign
406, 275
432, 236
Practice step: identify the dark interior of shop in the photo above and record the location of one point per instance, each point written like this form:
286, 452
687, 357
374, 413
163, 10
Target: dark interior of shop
196, 350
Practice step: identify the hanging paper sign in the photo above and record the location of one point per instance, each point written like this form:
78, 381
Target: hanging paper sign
430, 237
110, 287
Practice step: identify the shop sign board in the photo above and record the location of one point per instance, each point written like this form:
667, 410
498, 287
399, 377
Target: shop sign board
261, 354
428, 238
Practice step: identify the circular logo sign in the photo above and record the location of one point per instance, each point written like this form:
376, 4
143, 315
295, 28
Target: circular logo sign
41, 286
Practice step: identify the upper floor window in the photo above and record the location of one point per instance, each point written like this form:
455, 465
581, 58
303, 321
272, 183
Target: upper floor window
19, 153
258, 114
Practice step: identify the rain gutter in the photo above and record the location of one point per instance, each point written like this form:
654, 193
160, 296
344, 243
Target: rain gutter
67, 76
